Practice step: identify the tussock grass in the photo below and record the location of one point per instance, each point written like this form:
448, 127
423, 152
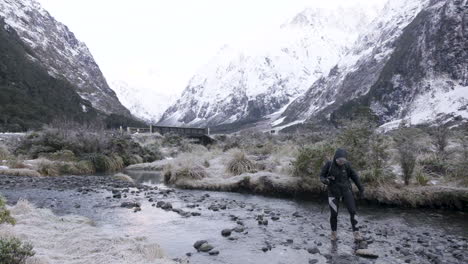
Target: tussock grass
48, 168
240, 164
16, 163
4, 152
20, 172
173, 175
123, 177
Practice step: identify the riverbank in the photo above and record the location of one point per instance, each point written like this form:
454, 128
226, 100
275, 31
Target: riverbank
444, 195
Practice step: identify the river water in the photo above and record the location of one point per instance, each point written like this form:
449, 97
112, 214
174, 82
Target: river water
396, 235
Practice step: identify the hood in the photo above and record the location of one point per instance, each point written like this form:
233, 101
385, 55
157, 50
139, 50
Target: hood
340, 153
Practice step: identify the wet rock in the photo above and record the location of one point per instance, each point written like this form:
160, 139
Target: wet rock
296, 214
366, 253
226, 232
264, 249
313, 261
195, 213
130, 205
275, 218
205, 247
188, 254
313, 250
136, 209
214, 252
362, 245
239, 229
198, 244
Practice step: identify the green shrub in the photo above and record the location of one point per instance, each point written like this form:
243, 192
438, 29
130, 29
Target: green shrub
13, 251
355, 139
434, 165
421, 177
62, 155
309, 160
101, 162
240, 164
405, 141
5, 216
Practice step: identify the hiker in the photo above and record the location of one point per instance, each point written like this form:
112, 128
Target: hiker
335, 174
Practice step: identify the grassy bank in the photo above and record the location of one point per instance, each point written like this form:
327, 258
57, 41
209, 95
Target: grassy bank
73, 151
408, 167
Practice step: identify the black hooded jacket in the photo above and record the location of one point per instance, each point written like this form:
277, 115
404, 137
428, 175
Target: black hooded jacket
341, 175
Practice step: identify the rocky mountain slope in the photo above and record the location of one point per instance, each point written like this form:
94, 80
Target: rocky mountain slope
412, 64
247, 85
58, 51
29, 96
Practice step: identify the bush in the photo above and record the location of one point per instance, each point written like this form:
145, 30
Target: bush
240, 164
421, 177
16, 163
48, 168
355, 139
62, 155
407, 149
102, 163
310, 160
13, 251
435, 166
5, 216
376, 172
4, 152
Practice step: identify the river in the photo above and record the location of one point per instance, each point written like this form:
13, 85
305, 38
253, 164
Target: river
297, 231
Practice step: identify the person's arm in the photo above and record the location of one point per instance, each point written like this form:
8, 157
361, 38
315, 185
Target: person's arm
355, 177
324, 173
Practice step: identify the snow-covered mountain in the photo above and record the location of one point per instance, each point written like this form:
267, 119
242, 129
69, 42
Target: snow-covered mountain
58, 50
145, 104
256, 82
412, 63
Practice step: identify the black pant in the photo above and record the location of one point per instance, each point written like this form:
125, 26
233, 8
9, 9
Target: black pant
333, 203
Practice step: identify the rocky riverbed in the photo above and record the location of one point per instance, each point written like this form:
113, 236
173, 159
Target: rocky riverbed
219, 227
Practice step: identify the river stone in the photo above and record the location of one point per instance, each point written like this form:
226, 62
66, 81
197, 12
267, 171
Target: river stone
198, 244
366, 253
205, 247
313, 250
226, 232
214, 252
130, 205
313, 261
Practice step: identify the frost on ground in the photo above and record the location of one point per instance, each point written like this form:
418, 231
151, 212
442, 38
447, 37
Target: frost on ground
75, 239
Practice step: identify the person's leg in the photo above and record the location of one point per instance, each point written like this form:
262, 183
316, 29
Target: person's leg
333, 204
351, 206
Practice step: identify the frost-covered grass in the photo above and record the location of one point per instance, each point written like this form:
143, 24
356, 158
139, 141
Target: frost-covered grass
123, 177
75, 239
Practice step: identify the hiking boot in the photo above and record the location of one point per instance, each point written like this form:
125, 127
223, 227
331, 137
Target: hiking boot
334, 236
357, 236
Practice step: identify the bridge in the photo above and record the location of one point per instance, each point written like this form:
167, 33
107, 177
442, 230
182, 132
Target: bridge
202, 135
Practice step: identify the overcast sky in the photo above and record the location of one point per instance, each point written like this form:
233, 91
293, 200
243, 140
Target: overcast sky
160, 44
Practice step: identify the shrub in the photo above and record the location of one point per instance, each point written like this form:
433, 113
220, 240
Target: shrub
355, 139
4, 152
376, 158
5, 216
240, 164
48, 168
101, 162
407, 149
310, 160
62, 155
421, 177
433, 165
13, 251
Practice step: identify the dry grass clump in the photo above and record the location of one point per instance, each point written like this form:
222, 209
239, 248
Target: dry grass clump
48, 168
16, 163
20, 172
4, 152
123, 177
173, 175
240, 164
